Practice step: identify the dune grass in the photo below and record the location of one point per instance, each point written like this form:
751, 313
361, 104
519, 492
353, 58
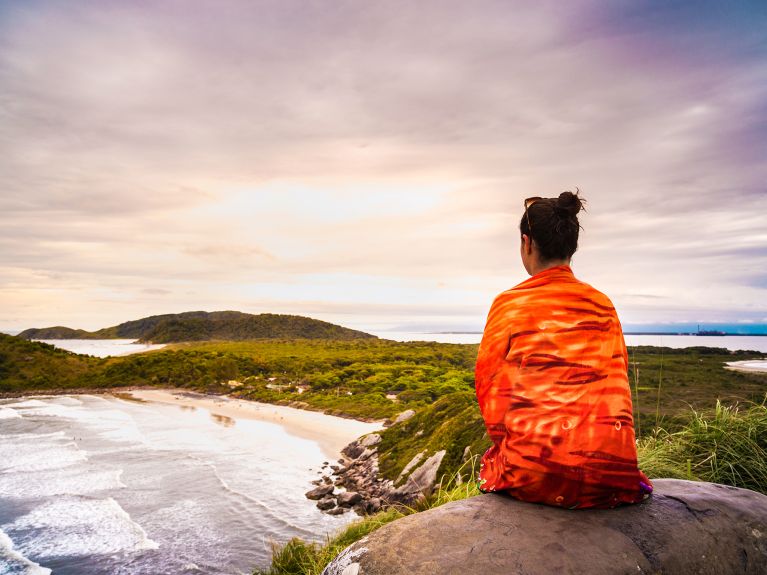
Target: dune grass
725, 445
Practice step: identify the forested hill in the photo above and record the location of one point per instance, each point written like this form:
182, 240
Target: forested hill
202, 326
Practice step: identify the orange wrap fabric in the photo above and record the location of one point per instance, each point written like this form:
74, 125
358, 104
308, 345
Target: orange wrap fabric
552, 386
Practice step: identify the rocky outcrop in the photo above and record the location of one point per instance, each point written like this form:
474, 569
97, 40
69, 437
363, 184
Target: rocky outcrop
404, 416
360, 486
685, 527
422, 480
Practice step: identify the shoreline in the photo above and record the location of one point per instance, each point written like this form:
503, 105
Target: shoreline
330, 432
745, 367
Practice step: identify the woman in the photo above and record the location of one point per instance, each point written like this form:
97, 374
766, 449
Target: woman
552, 378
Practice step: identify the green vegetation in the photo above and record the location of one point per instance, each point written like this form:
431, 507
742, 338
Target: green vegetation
29, 365
203, 326
725, 445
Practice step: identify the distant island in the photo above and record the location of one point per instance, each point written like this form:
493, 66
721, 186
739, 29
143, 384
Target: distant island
206, 326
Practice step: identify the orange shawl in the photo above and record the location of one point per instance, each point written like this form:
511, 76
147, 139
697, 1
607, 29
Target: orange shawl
552, 386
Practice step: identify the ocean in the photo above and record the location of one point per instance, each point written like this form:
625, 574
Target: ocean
731, 342
102, 485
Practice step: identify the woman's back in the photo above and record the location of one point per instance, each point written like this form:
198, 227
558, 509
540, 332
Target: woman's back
552, 385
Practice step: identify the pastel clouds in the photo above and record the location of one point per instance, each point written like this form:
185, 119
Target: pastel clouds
366, 162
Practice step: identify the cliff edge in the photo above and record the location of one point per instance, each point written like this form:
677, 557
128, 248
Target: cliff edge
685, 527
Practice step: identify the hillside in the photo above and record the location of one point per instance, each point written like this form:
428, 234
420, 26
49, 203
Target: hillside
205, 326
31, 365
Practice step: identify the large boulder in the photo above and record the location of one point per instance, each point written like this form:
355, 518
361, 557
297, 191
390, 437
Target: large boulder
319, 492
422, 480
685, 527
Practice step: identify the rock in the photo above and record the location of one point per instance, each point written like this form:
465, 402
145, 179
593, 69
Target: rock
326, 503
422, 480
353, 450
374, 504
319, 492
685, 527
365, 454
370, 440
348, 498
404, 416
410, 465
337, 511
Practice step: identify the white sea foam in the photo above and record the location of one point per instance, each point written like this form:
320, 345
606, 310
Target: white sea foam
25, 403
67, 400
38, 452
11, 561
8, 413
78, 526
111, 424
69, 481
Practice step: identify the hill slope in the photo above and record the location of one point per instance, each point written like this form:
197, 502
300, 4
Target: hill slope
34, 365
203, 326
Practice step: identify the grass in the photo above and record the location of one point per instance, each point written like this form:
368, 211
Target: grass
725, 445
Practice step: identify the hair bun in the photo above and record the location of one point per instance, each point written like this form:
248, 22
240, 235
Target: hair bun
568, 204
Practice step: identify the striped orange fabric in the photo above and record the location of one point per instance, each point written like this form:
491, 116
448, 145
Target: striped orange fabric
552, 386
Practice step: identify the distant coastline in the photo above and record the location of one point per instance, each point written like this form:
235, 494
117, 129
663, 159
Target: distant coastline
701, 333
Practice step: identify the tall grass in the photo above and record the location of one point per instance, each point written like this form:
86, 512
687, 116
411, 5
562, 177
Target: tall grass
727, 445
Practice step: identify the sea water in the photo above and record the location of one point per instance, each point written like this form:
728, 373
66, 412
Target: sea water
98, 484
103, 347
731, 342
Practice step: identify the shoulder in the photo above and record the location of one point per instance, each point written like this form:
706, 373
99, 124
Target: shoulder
591, 296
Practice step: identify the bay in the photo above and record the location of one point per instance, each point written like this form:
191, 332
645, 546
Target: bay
98, 484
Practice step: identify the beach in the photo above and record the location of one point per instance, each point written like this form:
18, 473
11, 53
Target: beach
755, 365
331, 433
159, 481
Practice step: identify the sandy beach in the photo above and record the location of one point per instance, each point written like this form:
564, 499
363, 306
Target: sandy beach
753, 365
331, 433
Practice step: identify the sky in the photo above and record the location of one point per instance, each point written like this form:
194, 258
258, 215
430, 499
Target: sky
366, 163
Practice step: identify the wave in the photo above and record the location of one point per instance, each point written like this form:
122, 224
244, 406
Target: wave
47, 457
79, 526
25, 403
8, 413
69, 481
268, 511
11, 561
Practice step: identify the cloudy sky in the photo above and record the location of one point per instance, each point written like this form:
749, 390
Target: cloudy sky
365, 162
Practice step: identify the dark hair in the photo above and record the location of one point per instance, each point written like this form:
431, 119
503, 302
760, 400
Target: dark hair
554, 223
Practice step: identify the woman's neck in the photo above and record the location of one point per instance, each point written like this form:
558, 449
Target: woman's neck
537, 267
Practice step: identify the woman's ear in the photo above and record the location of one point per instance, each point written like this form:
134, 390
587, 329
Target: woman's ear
527, 244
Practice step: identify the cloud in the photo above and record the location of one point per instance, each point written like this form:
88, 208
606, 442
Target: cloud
251, 148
